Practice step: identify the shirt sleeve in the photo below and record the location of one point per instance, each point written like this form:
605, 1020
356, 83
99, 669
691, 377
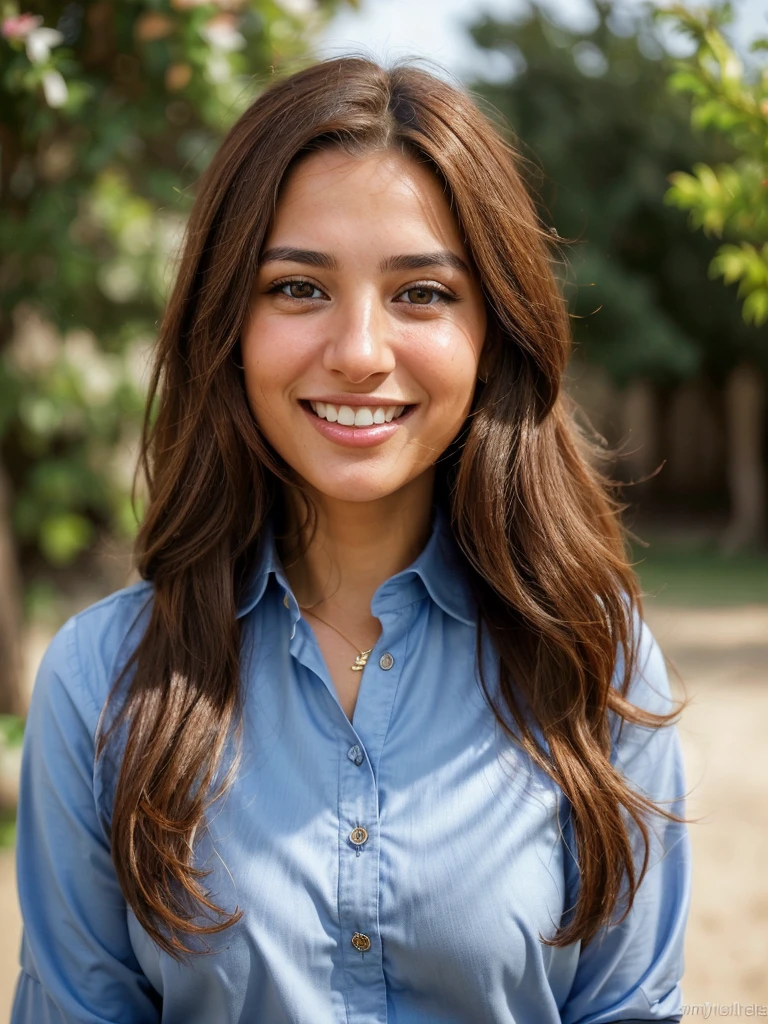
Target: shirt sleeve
77, 962
632, 972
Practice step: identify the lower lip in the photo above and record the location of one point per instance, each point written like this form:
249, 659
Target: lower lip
356, 437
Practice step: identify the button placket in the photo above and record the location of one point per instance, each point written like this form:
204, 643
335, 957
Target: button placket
359, 877
358, 883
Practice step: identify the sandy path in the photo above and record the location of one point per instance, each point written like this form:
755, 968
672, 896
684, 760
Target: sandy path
722, 655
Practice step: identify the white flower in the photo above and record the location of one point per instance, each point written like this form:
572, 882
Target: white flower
119, 281
298, 8
39, 43
97, 372
35, 342
218, 68
221, 33
99, 380
55, 89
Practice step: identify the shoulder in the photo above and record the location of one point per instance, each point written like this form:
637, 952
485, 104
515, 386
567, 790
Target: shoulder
649, 690
649, 686
87, 653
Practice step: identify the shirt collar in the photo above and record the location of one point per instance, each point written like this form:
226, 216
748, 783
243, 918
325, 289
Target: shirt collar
267, 561
439, 570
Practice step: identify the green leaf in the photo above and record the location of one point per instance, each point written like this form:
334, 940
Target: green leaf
686, 190
710, 183
688, 81
11, 730
755, 309
710, 114
729, 263
62, 537
712, 221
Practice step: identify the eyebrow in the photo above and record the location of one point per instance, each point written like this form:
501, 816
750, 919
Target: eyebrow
405, 261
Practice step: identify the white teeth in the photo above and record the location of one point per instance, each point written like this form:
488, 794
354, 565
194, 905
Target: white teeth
360, 416
363, 418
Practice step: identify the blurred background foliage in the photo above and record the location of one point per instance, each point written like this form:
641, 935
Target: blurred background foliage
618, 136
729, 199
603, 132
109, 112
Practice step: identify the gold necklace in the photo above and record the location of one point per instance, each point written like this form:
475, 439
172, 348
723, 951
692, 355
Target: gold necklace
362, 656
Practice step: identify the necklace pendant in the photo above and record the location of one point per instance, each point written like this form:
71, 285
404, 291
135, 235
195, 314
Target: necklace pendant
361, 661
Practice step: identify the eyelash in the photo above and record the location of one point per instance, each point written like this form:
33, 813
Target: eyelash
445, 296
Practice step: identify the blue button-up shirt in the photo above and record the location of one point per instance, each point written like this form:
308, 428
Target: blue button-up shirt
393, 869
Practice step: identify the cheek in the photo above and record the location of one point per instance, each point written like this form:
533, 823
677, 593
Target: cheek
274, 353
448, 366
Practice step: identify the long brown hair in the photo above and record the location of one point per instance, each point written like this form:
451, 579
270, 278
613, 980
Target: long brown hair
531, 508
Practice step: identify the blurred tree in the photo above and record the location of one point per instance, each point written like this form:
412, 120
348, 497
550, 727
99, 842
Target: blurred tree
731, 200
109, 111
591, 110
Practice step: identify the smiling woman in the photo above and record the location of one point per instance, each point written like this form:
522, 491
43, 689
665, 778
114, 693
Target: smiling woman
382, 719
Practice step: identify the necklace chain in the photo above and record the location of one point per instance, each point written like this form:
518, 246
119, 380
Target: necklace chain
362, 656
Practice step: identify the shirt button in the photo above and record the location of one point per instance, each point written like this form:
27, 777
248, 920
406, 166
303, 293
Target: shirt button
355, 754
386, 661
358, 835
361, 942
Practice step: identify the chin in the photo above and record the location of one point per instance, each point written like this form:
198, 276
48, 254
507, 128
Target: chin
351, 491
356, 483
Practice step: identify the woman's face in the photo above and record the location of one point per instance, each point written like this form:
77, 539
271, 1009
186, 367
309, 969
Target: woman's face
365, 328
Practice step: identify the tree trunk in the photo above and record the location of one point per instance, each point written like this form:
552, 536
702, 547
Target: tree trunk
695, 442
11, 698
640, 431
745, 417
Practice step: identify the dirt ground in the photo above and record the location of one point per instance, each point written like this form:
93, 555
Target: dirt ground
722, 657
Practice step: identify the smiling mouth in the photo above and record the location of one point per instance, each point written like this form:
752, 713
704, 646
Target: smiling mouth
359, 416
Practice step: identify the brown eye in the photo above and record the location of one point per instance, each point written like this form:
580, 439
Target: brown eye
300, 289
296, 289
425, 295
421, 296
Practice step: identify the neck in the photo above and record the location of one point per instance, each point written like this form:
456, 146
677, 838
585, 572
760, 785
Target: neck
356, 546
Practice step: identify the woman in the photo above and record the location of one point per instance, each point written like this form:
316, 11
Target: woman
387, 738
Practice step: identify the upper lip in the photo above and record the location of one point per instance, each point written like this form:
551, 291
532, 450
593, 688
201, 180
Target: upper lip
371, 401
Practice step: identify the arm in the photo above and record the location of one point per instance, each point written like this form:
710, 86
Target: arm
77, 963
631, 972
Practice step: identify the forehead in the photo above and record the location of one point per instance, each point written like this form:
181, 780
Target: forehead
384, 196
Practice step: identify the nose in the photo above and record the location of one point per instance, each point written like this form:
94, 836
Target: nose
359, 342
